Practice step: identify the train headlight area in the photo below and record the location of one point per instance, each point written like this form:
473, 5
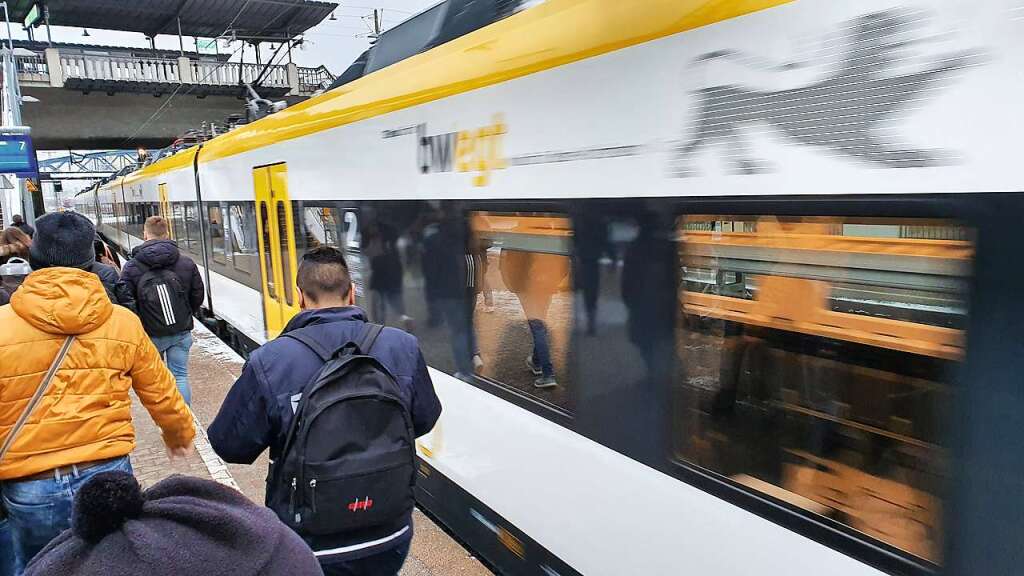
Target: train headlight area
696, 296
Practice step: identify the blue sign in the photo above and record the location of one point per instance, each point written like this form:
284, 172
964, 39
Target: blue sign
17, 156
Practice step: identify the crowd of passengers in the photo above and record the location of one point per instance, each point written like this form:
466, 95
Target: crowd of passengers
79, 331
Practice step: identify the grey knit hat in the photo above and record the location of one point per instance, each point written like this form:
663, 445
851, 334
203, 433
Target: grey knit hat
63, 239
182, 525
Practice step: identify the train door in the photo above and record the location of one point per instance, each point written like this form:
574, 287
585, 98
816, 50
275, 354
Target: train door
276, 238
165, 209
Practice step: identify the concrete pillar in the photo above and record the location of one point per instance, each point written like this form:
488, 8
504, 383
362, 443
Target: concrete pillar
52, 56
185, 71
293, 78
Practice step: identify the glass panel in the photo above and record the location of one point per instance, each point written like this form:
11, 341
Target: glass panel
816, 358
191, 227
515, 269
242, 230
268, 264
320, 226
286, 268
179, 222
216, 224
353, 256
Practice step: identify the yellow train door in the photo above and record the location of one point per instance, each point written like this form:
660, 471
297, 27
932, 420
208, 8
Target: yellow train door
275, 228
165, 209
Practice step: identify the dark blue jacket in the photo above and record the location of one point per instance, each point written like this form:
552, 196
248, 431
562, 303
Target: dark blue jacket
257, 411
164, 254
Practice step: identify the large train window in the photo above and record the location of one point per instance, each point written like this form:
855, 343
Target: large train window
215, 223
242, 233
816, 356
513, 281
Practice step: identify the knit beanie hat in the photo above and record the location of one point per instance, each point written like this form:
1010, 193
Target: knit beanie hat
63, 239
182, 525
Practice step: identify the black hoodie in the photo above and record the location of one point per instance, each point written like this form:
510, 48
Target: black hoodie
165, 254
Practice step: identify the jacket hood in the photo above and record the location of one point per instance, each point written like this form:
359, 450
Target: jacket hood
324, 316
158, 253
62, 301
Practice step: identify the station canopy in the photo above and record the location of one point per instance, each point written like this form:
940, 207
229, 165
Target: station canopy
265, 19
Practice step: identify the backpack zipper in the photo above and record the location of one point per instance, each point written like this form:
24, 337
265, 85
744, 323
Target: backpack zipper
291, 500
312, 494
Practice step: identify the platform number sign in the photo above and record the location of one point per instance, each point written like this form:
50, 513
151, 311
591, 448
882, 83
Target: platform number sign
18, 156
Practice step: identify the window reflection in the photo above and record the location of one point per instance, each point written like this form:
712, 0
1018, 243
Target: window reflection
242, 232
216, 224
816, 357
515, 284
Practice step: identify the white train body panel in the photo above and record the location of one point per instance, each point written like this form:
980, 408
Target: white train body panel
601, 512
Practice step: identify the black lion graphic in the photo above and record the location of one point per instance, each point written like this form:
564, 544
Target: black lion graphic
849, 112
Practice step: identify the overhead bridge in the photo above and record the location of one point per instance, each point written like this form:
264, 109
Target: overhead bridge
94, 97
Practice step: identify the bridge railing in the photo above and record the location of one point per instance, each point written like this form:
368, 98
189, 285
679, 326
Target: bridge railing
53, 67
119, 68
313, 79
32, 68
232, 73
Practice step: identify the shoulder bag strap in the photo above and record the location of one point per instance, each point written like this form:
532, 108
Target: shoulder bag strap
40, 392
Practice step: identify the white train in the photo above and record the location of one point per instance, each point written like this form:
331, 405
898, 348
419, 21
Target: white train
706, 287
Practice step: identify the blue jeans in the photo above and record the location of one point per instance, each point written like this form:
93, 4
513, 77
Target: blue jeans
387, 563
39, 510
541, 349
175, 349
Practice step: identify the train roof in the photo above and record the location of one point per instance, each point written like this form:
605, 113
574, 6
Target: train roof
552, 34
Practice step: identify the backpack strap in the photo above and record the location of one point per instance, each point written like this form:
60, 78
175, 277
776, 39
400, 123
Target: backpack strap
311, 343
369, 337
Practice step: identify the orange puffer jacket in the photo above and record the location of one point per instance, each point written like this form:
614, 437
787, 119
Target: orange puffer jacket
86, 413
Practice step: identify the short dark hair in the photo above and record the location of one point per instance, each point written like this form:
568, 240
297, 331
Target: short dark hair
323, 271
17, 219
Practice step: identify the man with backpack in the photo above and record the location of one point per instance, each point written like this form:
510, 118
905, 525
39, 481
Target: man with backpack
168, 291
339, 402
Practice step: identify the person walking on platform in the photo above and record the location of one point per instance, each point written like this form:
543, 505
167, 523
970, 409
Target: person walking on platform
68, 360
182, 526
167, 290
361, 393
17, 221
14, 267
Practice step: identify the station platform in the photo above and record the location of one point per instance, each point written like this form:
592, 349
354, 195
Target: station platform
213, 367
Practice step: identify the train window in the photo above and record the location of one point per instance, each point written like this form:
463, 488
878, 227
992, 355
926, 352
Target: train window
268, 264
191, 227
515, 269
350, 238
215, 223
816, 356
242, 232
178, 211
321, 226
286, 268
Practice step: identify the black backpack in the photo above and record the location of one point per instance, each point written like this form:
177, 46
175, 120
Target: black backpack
161, 302
348, 461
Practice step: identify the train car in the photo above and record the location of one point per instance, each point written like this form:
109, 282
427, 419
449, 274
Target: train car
711, 287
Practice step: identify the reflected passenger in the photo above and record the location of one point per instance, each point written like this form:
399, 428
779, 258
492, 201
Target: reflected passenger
386, 275
535, 278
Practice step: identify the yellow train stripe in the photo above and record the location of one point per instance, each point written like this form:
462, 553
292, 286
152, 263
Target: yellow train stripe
555, 33
180, 160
